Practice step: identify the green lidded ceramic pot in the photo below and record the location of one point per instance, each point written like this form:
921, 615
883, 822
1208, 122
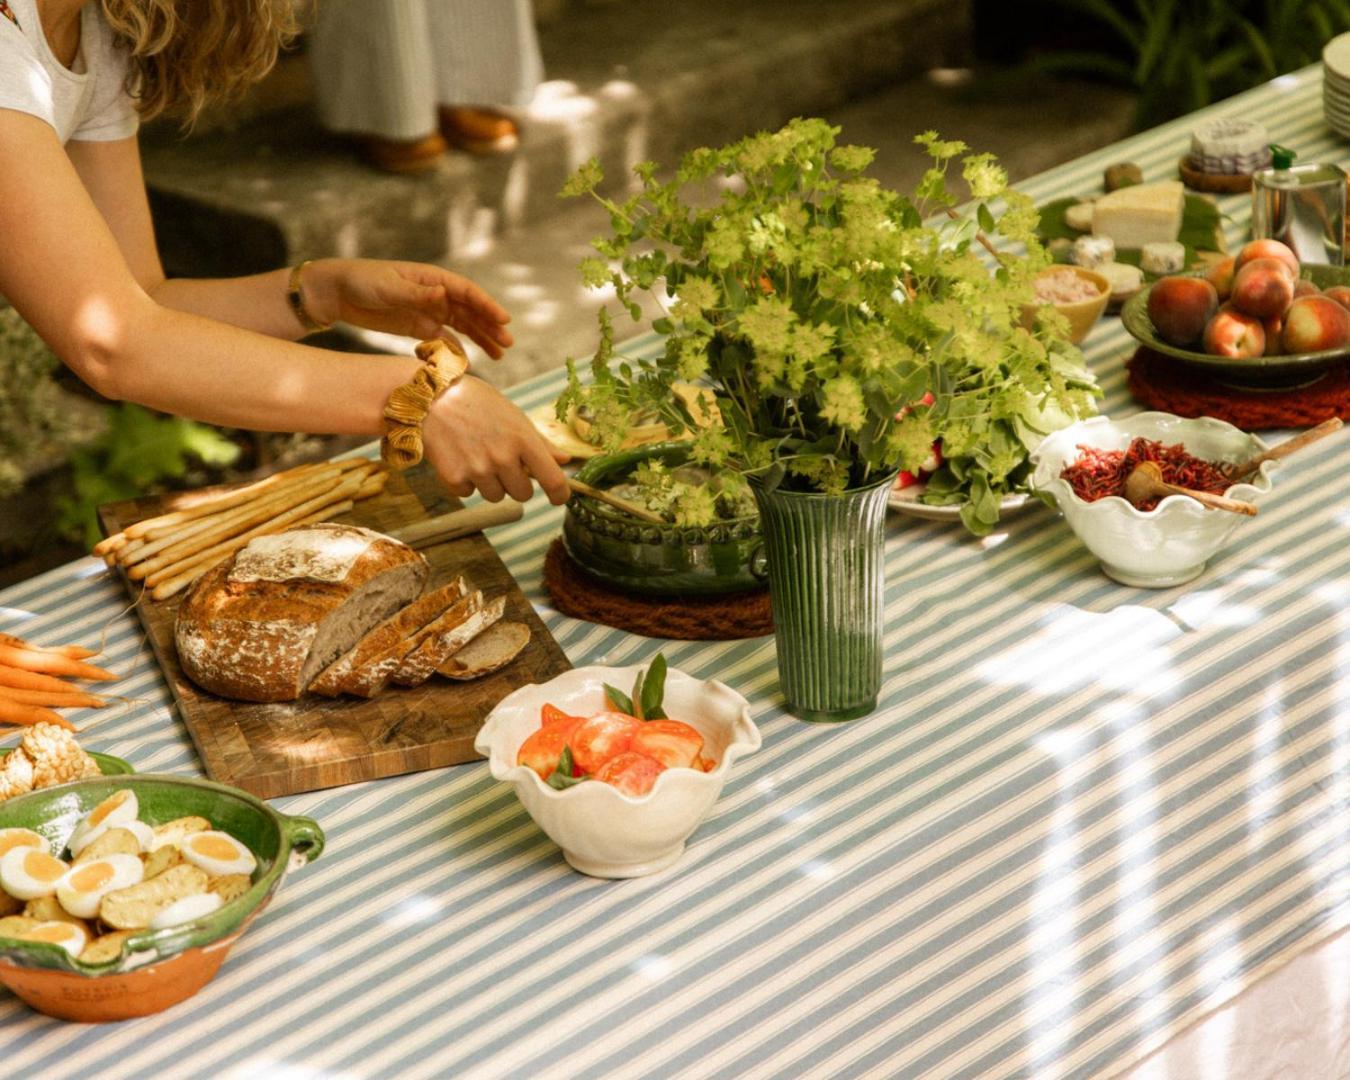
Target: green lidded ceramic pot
827, 578
157, 968
659, 560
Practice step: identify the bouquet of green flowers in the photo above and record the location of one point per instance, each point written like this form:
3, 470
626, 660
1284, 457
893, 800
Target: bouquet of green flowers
821, 308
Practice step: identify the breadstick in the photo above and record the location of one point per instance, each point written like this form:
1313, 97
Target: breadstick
372, 485
217, 503
110, 543
271, 525
182, 580
218, 523
237, 522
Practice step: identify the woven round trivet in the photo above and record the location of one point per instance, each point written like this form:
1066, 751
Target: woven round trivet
710, 618
1160, 382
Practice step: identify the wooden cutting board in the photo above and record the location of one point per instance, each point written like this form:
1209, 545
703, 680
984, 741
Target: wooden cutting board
316, 742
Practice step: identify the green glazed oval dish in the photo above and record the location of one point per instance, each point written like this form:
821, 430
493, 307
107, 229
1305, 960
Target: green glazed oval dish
107, 764
659, 560
278, 841
1256, 371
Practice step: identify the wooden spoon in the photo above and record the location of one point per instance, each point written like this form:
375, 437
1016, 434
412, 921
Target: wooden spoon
1282, 450
1145, 482
639, 512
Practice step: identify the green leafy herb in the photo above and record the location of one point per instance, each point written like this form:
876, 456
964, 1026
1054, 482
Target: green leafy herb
619, 699
561, 777
654, 689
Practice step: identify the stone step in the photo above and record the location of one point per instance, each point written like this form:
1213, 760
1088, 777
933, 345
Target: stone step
628, 82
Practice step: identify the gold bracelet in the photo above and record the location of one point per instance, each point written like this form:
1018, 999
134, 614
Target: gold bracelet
295, 296
443, 365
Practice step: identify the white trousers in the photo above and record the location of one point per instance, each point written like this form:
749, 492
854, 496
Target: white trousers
381, 67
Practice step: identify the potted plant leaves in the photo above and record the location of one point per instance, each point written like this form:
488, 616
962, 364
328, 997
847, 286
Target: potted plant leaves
820, 307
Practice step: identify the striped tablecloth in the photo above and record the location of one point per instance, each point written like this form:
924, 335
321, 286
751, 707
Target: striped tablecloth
1083, 816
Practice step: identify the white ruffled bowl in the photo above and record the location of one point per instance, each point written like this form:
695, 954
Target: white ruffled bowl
1170, 544
601, 831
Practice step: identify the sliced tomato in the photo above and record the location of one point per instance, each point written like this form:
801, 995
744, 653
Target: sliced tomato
551, 715
598, 739
673, 743
631, 772
542, 749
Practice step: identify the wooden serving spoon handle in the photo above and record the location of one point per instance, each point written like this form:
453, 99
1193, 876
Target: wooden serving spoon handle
1284, 449
1145, 482
1217, 502
639, 512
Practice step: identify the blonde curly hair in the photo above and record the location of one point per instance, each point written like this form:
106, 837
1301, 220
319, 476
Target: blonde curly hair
187, 52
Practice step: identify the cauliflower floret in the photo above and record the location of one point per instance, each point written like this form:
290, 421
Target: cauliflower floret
16, 774
56, 756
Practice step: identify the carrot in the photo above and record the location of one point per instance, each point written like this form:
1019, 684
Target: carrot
19, 679
17, 714
71, 652
71, 699
51, 664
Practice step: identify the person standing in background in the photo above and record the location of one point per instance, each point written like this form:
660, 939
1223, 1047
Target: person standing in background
405, 77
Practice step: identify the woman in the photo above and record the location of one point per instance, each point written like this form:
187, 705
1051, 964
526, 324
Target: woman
78, 258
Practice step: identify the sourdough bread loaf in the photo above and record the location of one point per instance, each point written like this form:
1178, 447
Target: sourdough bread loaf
490, 651
261, 626
445, 640
370, 678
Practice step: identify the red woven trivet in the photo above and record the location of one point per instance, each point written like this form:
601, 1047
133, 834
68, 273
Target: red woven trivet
1161, 382
713, 618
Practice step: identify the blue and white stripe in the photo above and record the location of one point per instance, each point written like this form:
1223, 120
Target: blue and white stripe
1082, 817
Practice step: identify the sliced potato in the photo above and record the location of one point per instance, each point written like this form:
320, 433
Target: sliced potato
134, 908
161, 859
230, 887
112, 842
9, 905
14, 925
103, 949
173, 832
49, 909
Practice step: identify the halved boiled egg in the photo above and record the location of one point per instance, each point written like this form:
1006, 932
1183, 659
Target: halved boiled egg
68, 936
12, 838
84, 886
28, 873
187, 910
117, 809
217, 853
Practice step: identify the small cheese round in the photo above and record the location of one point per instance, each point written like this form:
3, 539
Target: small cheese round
1090, 252
1079, 216
1230, 146
1162, 257
1125, 280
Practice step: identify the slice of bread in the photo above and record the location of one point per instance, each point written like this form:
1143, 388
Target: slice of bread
439, 646
490, 651
368, 679
388, 636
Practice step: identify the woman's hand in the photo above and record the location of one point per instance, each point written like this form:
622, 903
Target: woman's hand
476, 438
414, 299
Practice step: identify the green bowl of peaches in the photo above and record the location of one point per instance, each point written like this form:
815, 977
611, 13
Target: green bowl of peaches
1272, 324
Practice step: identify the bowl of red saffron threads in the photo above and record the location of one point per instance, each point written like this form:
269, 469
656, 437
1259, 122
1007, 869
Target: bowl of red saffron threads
1082, 469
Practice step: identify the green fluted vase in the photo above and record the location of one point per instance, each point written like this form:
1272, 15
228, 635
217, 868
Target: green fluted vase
827, 581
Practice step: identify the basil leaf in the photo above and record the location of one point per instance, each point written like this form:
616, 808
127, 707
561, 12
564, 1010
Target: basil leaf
637, 696
561, 777
619, 699
654, 689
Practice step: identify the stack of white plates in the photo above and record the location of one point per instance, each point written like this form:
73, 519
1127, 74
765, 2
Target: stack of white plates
1336, 84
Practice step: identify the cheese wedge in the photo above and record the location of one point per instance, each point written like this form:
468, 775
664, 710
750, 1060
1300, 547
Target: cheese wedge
1140, 214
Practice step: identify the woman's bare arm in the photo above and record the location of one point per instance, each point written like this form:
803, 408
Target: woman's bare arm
64, 270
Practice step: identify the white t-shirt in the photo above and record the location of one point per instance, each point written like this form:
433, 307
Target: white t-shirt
90, 102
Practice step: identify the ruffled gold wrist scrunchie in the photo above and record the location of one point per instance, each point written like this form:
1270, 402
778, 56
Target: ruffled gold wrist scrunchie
443, 365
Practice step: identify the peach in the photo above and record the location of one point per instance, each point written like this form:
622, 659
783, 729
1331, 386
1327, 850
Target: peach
1180, 307
1220, 275
1304, 287
1235, 335
1274, 327
1267, 249
1339, 293
1315, 323
1263, 287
